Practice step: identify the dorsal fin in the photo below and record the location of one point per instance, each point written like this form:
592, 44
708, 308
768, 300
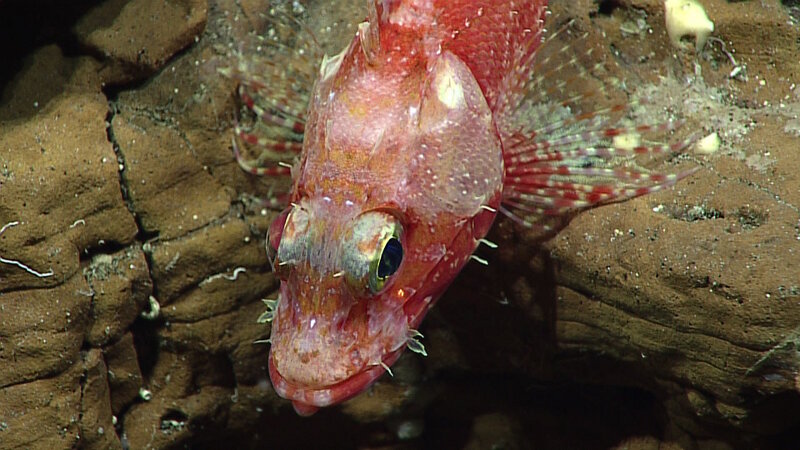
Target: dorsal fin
494, 38
378, 16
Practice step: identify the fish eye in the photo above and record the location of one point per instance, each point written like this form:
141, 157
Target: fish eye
390, 258
372, 251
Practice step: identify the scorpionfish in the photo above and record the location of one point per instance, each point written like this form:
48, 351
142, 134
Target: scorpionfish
431, 122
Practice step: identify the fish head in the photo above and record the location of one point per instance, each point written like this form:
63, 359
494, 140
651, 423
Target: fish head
338, 323
354, 288
400, 176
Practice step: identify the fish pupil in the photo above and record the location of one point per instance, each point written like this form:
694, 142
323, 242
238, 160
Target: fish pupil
391, 258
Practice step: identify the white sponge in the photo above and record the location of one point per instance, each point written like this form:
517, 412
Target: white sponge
687, 18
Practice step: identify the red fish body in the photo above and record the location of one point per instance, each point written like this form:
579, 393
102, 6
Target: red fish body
412, 144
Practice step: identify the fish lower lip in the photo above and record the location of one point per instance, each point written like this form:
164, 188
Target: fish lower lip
307, 400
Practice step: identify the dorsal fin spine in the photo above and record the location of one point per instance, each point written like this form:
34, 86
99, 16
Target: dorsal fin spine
369, 33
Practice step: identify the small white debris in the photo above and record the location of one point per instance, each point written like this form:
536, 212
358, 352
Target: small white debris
737, 72
232, 277
145, 394
155, 309
627, 141
687, 18
708, 145
410, 429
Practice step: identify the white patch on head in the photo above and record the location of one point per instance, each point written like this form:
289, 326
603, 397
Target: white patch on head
449, 88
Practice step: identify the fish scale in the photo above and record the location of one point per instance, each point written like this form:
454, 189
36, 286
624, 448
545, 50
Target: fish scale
438, 116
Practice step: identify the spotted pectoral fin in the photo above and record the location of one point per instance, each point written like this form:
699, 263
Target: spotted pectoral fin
545, 196
568, 141
578, 161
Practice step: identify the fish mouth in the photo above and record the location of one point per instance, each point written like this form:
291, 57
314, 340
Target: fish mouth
306, 400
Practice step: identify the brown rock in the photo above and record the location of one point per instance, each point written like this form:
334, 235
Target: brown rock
42, 331
194, 262
97, 425
124, 374
132, 35
60, 184
44, 413
121, 285
169, 199
665, 322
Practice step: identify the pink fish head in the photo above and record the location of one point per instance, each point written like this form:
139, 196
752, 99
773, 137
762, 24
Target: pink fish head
401, 174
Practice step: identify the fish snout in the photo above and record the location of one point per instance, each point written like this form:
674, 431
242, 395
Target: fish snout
328, 348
